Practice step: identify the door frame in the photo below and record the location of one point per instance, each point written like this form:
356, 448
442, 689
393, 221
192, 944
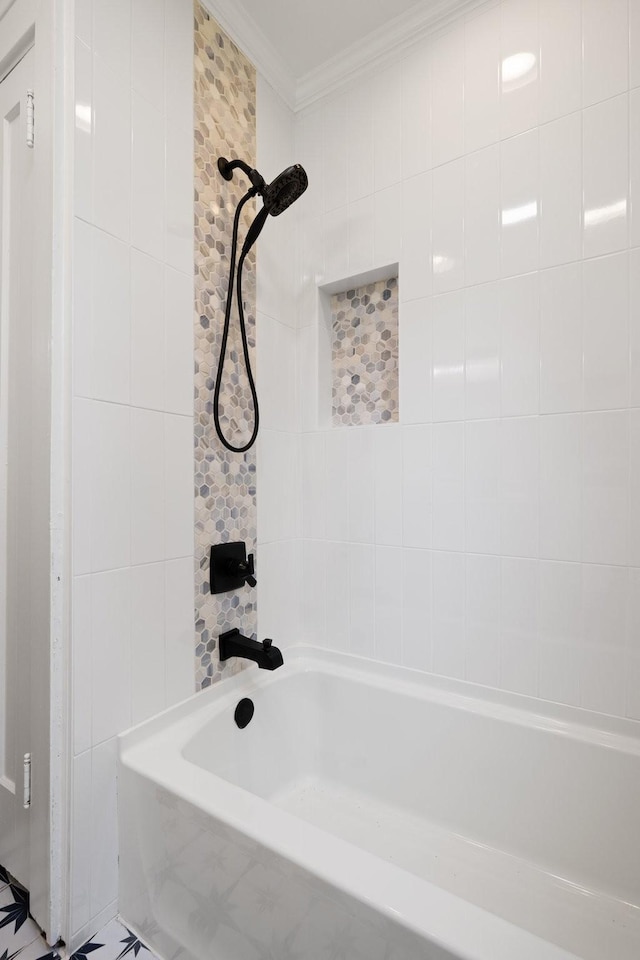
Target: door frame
47, 25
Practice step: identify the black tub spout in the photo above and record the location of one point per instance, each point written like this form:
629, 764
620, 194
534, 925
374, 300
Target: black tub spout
231, 643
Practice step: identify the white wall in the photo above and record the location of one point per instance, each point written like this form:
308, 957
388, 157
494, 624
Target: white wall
132, 432
278, 488
494, 534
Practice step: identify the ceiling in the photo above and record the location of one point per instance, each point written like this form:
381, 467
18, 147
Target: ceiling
307, 33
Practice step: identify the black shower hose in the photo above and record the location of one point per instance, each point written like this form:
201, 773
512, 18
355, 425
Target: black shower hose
252, 236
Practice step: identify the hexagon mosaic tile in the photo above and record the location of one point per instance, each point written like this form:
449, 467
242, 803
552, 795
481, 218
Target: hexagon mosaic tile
365, 354
225, 483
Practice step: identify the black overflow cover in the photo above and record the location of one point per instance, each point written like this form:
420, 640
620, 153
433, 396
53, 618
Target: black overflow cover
244, 712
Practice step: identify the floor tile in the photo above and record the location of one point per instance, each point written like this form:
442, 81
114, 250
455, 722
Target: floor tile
21, 938
114, 942
17, 929
38, 950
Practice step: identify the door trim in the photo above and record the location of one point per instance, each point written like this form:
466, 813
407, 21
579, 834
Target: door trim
61, 67
47, 25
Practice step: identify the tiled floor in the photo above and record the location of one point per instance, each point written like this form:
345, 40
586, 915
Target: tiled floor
114, 942
20, 936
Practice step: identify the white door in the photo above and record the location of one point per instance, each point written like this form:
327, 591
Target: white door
19, 399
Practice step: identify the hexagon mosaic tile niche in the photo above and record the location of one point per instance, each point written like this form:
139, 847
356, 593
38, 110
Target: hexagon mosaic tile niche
225, 483
364, 354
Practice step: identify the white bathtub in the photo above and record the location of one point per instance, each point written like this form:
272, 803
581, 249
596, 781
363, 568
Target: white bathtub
371, 813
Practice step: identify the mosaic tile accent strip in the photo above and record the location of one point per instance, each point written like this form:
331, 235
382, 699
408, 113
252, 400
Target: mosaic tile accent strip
225, 483
365, 354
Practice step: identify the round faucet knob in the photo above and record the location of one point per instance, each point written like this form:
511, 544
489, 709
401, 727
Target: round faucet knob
266, 644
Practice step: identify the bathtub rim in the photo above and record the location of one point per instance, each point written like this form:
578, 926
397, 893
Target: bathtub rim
587, 726
454, 924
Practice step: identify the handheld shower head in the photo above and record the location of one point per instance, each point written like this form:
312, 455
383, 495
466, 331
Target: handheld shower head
277, 195
285, 189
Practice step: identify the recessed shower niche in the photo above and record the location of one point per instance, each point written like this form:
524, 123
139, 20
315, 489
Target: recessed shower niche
360, 354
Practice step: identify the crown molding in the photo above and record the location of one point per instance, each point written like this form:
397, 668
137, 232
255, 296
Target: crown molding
248, 36
383, 45
361, 58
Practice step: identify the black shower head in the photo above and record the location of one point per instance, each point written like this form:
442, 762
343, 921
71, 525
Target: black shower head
285, 189
277, 195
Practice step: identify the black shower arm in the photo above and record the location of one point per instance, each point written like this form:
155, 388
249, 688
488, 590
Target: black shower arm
226, 168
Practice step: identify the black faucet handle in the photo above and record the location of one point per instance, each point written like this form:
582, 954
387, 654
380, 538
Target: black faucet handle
249, 571
230, 567
266, 644
242, 568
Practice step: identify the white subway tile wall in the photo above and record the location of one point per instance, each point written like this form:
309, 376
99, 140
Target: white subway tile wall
492, 535
281, 462
132, 429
